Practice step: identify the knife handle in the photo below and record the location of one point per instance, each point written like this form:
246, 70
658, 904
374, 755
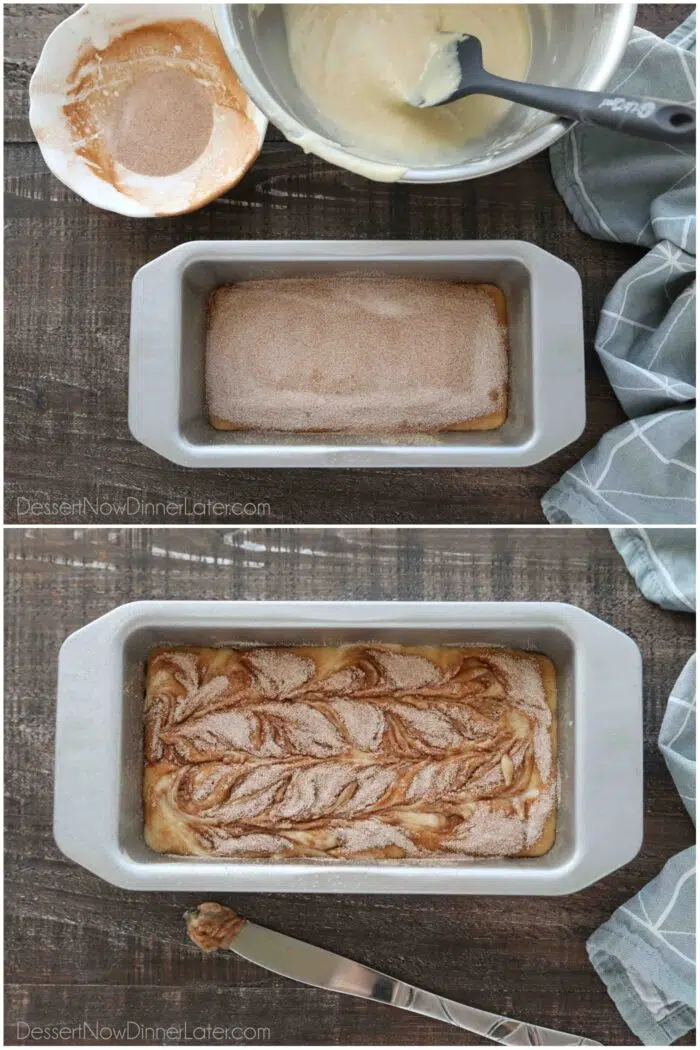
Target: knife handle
501, 1030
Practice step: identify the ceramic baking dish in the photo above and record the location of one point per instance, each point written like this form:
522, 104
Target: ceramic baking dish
98, 818
167, 410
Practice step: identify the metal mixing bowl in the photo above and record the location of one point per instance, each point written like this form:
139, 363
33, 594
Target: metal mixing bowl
573, 45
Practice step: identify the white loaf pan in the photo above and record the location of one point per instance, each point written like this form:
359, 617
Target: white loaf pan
98, 818
167, 410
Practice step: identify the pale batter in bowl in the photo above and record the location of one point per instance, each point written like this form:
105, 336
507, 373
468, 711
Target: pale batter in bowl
358, 64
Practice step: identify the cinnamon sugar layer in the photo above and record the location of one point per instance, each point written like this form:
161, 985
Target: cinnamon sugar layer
364, 751
370, 353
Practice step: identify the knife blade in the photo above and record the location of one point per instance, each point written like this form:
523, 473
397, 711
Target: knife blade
307, 964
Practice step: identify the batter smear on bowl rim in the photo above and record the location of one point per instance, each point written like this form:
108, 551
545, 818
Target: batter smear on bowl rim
359, 752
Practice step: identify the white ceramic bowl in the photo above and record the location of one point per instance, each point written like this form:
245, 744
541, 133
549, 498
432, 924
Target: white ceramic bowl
140, 196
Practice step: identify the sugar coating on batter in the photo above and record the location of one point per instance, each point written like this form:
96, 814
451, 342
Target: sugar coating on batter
367, 353
359, 64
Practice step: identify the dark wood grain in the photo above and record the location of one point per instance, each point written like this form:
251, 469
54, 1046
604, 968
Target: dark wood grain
69, 270
78, 949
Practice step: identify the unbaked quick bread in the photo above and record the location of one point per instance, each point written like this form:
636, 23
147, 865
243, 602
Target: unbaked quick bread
359, 752
357, 354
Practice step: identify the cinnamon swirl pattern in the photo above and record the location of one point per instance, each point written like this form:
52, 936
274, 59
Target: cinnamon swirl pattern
364, 751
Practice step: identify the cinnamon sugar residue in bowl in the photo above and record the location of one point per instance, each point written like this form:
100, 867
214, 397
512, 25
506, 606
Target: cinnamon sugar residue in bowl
155, 111
160, 124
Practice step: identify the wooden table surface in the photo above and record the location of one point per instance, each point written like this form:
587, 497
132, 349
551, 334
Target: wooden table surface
69, 270
80, 950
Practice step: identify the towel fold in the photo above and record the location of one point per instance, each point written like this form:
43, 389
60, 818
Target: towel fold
621, 188
645, 953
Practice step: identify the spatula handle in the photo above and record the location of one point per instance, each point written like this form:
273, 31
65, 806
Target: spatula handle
647, 118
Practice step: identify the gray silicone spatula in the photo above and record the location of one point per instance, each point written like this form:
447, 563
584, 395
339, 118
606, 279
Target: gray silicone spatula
457, 70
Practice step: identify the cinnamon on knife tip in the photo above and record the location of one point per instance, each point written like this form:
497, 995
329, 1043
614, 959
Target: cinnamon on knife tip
213, 926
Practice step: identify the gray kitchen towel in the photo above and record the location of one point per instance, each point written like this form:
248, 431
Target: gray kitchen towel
645, 953
620, 188
662, 563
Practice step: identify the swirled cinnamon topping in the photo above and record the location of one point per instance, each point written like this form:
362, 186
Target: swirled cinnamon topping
364, 751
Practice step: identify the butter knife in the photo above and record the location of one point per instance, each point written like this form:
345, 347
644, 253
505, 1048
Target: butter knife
322, 969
